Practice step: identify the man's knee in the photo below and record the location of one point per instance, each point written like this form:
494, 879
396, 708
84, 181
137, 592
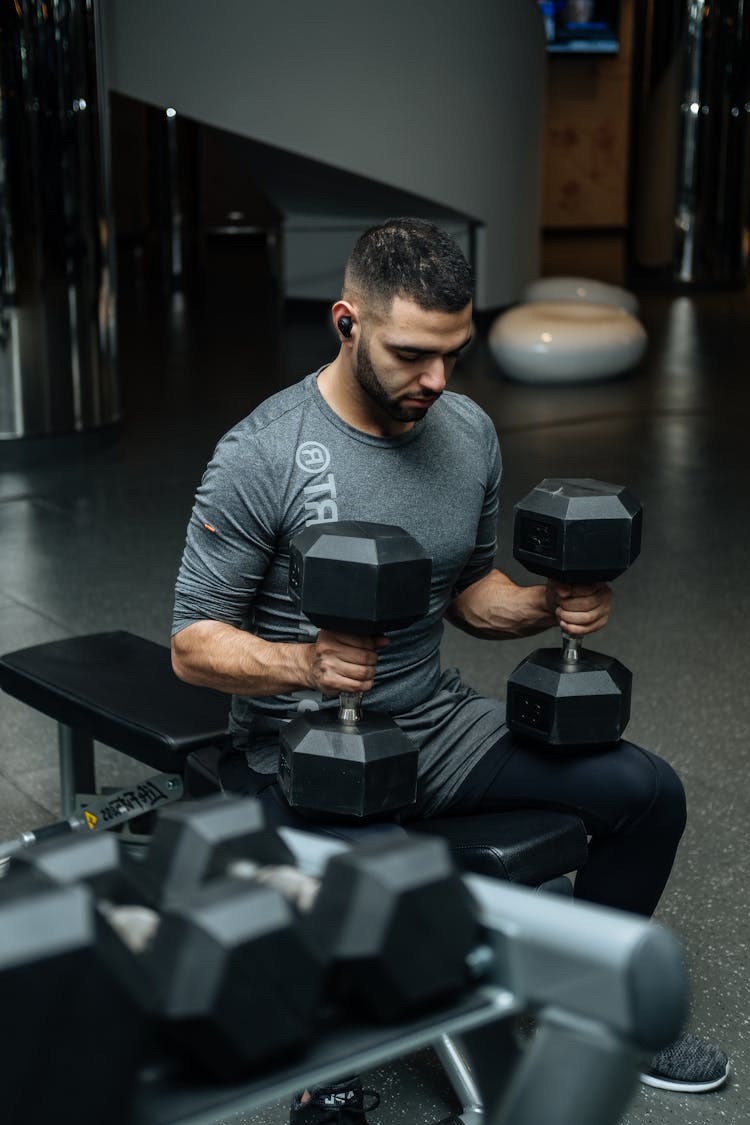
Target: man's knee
673, 794
662, 793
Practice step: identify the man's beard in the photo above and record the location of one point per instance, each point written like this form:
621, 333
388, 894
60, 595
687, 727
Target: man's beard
370, 383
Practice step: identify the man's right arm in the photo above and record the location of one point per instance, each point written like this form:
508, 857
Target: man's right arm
231, 544
217, 655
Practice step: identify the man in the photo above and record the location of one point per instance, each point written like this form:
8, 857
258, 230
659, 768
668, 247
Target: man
374, 435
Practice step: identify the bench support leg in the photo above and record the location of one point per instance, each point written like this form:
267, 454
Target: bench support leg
461, 1079
77, 771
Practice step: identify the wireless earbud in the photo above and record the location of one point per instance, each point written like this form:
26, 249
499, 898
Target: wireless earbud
345, 326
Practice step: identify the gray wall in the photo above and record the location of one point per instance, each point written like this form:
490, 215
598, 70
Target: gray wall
440, 99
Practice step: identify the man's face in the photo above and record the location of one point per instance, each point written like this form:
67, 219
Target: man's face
405, 358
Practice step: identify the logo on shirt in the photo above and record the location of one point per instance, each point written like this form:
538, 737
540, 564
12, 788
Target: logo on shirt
319, 496
312, 457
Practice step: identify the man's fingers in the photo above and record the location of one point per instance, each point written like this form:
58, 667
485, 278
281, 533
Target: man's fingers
344, 662
583, 622
350, 640
585, 609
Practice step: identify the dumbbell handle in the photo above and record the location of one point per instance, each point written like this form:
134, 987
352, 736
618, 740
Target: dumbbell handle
299, 888
350, 706
572, 648
138, 925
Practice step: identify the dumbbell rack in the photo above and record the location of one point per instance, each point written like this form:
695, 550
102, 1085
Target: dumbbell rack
164, 1096
608, 989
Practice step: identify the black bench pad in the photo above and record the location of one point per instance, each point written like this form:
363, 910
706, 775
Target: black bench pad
527, 846
120, 689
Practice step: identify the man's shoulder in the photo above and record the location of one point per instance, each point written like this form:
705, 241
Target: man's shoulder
266, 423
462, 408
274, 409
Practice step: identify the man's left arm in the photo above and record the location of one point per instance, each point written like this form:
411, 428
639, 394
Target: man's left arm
495, 608
488, 604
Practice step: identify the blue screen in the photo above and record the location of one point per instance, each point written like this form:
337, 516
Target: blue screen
582, 27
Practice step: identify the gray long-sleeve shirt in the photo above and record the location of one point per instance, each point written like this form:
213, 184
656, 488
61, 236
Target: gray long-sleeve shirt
294, 462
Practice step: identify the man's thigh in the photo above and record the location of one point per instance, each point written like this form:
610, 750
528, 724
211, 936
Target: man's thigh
604, 787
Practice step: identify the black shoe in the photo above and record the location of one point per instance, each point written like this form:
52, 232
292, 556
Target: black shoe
342, 1104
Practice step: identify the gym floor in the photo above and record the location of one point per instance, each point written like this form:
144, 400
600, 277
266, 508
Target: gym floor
92, 542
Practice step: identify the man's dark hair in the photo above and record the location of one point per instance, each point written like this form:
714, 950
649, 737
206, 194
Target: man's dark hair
408, 258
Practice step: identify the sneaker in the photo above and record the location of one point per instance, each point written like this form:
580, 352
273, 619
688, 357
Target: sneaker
689, 1065
342, 1104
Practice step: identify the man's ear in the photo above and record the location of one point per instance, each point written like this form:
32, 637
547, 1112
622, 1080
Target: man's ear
345, 320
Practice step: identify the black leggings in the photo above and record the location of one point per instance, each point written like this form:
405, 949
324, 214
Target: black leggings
631, 802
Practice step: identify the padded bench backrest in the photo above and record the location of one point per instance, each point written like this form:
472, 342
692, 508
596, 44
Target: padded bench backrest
121, 690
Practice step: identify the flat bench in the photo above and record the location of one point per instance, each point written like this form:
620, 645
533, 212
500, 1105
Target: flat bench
119, 689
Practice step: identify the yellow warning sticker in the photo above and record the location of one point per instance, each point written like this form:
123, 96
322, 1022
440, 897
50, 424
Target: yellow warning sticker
91, 820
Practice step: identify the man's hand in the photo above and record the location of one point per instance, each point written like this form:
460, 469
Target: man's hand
580, 609
342, 662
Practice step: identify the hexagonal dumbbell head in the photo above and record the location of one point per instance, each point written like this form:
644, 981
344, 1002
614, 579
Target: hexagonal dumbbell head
331, 769
57, 981
558, 703
362, 578
397, 923
194, 841
234, 978
577, 531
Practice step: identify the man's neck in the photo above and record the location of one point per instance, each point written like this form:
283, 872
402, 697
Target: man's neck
353, 405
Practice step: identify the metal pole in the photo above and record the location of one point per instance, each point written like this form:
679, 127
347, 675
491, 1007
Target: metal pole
690, 164
57, 310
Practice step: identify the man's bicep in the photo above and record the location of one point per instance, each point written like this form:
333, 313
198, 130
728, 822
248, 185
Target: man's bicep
228, 549
480, 562
218, 578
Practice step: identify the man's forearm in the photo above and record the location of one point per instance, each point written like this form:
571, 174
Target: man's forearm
497, 609
213, 654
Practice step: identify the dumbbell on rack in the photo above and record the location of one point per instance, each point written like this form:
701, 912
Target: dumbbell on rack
74, 1035
235, 953
608, 989
391, 920
362, 579
579, 532
209, 971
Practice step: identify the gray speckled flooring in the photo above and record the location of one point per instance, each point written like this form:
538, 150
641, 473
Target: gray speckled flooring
92, 542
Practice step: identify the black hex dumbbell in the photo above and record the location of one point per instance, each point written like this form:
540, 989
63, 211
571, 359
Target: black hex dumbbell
237, 955
391, 922
220, 968
579, 532
62, 1001
362, 579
